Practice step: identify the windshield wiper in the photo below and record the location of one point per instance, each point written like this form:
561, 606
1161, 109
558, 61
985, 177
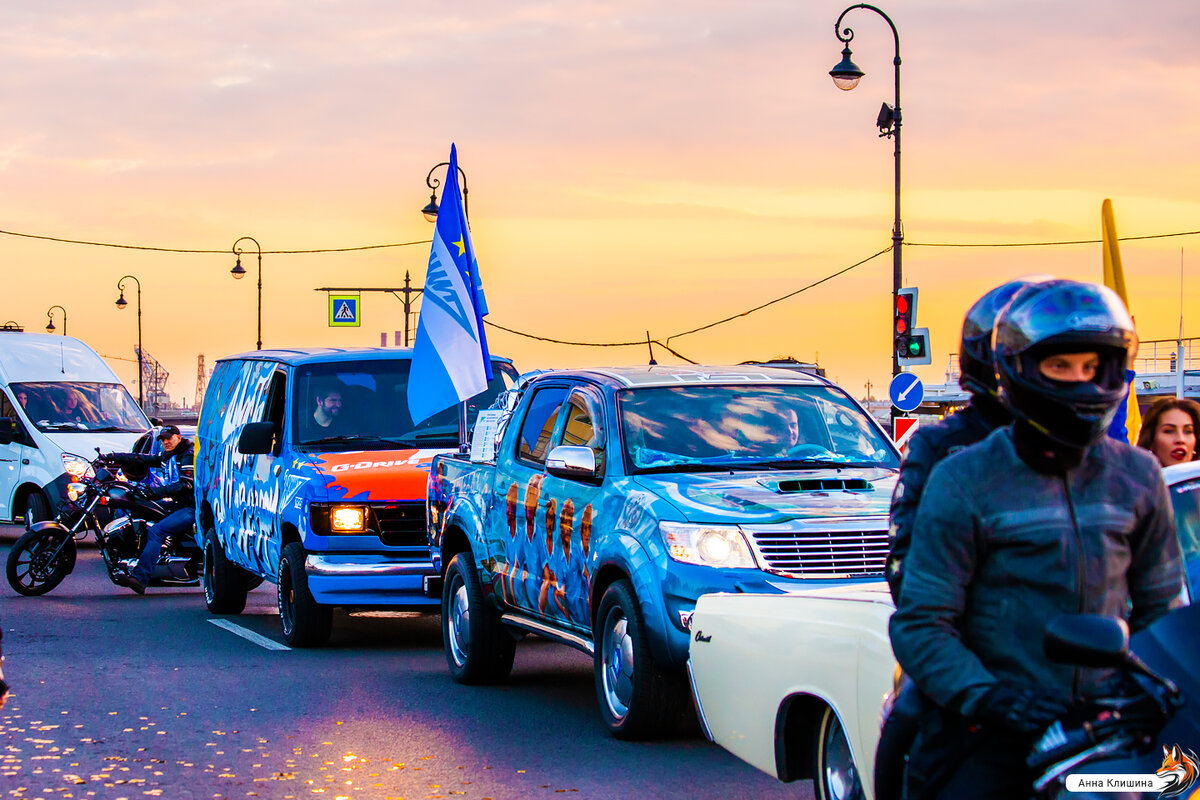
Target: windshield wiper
815, 463
60, 426
697, 466
114, 429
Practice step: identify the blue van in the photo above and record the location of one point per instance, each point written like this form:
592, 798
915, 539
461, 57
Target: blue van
311, 475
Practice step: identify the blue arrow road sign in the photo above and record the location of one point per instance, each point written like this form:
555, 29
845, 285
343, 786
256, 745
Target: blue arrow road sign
906, 391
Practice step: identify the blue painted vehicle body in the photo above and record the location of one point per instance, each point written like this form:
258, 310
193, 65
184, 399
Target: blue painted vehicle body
253, 505
546, 546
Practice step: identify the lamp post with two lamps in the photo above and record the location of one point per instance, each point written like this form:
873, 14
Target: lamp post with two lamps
50, 318
431, 211
121, 305
846, 76
238, 272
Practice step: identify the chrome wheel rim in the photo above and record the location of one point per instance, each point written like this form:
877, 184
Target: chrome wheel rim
616, 659
838, 770
458, 621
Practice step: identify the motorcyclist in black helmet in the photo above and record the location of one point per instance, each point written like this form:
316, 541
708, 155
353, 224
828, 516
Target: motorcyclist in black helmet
1045, 517
929, 445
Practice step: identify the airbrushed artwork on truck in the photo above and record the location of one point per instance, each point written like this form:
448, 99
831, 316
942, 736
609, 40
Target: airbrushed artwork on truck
244, 503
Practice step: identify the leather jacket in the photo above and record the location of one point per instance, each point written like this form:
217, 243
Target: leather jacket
928, 446
1003, 548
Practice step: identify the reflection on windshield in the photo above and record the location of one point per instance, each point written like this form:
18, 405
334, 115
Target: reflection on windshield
63, 407
1185, 497
690, 427
364, 405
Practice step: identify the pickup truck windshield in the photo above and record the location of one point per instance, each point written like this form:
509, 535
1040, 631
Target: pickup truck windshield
73, 407
691, 428
363, 405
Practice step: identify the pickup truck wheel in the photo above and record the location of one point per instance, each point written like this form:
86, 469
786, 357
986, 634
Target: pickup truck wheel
835, 777
638, 699
478, 648
225, 584
306, 623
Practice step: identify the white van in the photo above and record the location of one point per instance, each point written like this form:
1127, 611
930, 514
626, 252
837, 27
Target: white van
64, 403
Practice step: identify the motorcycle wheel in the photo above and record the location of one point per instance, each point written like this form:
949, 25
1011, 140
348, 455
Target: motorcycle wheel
32, 569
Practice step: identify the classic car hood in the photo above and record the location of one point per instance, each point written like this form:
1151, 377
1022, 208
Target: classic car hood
379, 475
773, 496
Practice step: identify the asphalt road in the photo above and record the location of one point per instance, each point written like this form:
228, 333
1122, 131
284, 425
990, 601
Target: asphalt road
120, 696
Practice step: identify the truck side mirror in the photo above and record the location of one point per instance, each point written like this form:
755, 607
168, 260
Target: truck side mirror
8, 431
566, 461
256, 438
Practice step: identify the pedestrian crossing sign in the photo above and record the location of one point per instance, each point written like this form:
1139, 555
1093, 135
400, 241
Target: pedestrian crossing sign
343, 311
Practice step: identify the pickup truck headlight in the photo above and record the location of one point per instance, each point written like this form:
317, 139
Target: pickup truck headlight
77, 466
707, 545
347, 519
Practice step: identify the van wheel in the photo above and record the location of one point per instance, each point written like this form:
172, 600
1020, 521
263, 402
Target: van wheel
306, 623
225, 584
37, 508
638, 698
479, 650
835, 776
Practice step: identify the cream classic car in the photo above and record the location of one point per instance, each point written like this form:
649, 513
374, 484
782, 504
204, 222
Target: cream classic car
795, 683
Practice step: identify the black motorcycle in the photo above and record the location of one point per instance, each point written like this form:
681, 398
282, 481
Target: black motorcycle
1124, 734
107, 504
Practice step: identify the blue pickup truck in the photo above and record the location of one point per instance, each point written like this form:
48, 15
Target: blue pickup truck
610, 500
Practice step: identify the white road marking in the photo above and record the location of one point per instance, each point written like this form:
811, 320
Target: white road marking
249, 635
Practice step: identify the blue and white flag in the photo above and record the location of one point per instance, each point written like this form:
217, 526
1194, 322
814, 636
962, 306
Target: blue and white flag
450, 360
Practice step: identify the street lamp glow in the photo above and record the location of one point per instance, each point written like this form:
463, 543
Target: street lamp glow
121, 302
846, 73
238, 272
430, 211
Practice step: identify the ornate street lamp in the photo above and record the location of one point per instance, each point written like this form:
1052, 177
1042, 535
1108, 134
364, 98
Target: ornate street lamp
238, 272
121, 305
431, 211
50, 317
846, 76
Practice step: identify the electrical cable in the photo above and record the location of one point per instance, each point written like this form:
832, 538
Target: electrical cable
1048, 244
209, 252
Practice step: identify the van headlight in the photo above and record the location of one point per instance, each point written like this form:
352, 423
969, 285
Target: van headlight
347, 519
77, 466
707, 545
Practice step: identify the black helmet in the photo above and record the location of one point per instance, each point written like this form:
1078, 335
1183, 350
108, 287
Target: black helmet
977, 372
1055, 317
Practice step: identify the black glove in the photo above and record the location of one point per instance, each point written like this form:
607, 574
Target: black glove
139, 492
1020, 709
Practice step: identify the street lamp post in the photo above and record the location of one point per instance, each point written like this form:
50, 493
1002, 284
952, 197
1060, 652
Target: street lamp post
431, 211
50, 317
238, 272
846, 76
121, 305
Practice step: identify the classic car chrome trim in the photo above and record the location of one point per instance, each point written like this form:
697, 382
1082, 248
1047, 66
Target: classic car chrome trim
541, 629
699, 707
363, 565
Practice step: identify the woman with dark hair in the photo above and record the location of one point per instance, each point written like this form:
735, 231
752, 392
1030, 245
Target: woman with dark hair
1169, 430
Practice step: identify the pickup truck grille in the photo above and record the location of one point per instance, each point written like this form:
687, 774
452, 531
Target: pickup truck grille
400, 524
810, 550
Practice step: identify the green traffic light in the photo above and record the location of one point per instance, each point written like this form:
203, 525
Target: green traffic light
914, 347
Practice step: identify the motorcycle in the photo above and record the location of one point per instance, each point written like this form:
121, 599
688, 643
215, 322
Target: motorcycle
1125, 734
106, 504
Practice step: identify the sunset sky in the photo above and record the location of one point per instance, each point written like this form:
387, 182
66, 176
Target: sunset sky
632, 167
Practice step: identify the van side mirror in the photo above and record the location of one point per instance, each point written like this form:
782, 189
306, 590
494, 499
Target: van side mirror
8, 431
567, 461
256, 438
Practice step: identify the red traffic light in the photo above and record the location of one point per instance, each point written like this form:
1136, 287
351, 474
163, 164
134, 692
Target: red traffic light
901, 304
901, 326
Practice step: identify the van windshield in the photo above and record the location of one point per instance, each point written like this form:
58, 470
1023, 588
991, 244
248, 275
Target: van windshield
74, 407
361, 405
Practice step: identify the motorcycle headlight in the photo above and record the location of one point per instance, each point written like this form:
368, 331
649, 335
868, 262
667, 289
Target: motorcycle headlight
707, 545
77, 466
75, 491
347, 519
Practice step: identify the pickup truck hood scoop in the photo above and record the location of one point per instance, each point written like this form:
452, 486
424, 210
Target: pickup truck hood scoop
766, 497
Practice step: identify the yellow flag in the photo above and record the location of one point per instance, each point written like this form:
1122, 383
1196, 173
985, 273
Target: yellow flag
1114, 278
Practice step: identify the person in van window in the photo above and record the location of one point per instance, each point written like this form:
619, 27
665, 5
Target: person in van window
76, 408
329, 406
178, 461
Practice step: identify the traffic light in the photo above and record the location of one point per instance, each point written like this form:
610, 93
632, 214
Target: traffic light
911, 344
